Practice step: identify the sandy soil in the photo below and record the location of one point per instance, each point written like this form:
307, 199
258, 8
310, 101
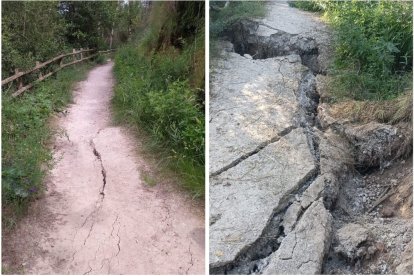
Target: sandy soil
98, 216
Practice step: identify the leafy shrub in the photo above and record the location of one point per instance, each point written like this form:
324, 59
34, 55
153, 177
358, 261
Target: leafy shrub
24, 38
313, 6
220, 19
154, 94
160, 87
100, 59
373, 46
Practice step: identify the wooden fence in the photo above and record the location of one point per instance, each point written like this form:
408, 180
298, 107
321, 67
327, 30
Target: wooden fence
75, 56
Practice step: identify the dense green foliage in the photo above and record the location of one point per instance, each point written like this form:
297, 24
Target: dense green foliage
156, 96
313, 6
160, 86
27, 37
26, 134
373, 46
88, 23
222, 17
39, 30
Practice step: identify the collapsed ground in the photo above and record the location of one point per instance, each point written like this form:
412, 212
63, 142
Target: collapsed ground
292, 189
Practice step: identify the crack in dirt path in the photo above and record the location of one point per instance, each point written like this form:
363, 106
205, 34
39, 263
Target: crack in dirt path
253, 152
103, 171
97, 215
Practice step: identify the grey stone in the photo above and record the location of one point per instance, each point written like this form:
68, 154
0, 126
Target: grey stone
303, 250
250, 103
283, 18
316, 188
291, 215
247, 194
349, 239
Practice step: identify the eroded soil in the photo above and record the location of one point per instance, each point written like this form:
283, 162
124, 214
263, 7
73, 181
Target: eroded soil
97, 215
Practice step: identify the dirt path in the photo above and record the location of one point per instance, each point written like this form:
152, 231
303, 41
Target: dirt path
97, 216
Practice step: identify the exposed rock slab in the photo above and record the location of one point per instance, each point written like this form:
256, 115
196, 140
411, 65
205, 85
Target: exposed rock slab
291, 216
252, 101
316, 188
264, 149
303, 250
243, 198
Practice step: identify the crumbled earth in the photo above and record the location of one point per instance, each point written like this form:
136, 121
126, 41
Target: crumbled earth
292, 190
97, 215
379, 240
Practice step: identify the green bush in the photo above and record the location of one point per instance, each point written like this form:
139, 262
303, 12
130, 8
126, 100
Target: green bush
313, 6
373, 46
220, 19
100, 59
24, 36
26, 133
160, 88
153, 93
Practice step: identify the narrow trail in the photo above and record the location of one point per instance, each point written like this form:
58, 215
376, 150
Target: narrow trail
97, 216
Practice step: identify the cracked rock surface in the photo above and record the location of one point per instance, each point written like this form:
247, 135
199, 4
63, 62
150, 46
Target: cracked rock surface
246, 195
247, 96
302, 251
97, 217
267, 213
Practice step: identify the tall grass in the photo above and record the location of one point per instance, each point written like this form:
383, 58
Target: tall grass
160, 88
155, 95
312, 6
373, 46
222, 18
26, 133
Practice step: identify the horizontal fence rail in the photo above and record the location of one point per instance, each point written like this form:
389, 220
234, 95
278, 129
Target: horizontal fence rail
76, 55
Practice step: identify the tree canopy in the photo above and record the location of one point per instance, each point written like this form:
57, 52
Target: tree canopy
40, 30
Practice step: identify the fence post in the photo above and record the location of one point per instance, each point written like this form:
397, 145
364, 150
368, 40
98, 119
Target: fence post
74, 55
81, 53
40, 71
19, 79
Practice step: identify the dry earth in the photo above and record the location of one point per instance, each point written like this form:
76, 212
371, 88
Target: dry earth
97, 215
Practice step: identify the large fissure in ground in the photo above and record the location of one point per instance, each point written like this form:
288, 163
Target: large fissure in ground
245, 39
352, 201
254, 258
